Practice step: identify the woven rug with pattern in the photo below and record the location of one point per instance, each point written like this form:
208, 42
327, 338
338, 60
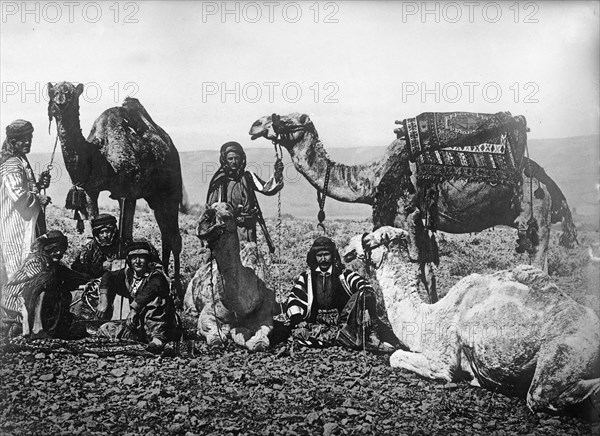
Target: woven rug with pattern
468, 146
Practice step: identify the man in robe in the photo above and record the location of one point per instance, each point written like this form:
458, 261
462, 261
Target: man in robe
330, 304
234, 185
36, 301
21, 202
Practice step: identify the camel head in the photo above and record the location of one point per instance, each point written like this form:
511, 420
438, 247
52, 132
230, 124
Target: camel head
62, 97
286, 130
371, 248
215, 221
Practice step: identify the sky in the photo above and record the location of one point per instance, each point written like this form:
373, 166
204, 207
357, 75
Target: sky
205, 71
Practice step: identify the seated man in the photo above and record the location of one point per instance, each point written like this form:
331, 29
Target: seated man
152, 318
332, 305
98, 255
39, 294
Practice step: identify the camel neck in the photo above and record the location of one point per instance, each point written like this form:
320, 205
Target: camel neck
356, 183
73, 143
406, 312
226, 253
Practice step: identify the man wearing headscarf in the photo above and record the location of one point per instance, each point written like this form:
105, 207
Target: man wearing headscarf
234, 185
98, 255
21, 202
37, 299
330, 304
152, 318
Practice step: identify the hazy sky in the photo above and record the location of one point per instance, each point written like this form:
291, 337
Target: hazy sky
206, 71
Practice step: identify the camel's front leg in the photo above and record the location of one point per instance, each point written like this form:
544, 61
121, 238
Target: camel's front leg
533, 223
214, 328
428, 278
416, 362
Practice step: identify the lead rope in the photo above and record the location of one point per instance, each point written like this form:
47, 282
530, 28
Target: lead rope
321, 196
212, 293
50, 165
278, 158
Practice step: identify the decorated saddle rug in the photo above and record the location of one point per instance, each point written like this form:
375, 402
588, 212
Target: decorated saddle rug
469, 146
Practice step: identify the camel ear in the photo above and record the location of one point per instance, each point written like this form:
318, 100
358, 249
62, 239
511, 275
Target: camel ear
304, 119
50, 90
79, 89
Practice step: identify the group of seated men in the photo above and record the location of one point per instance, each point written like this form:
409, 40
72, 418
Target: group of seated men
39, 296
327, 305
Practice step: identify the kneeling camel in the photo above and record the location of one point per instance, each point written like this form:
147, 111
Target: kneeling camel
513, 331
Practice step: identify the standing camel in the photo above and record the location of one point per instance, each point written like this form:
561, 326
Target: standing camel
126, 153
462, 205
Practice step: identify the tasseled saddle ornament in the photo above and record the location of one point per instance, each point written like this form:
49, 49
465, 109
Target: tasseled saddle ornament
77, 201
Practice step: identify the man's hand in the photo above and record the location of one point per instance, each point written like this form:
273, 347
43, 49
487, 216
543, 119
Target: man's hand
278, 170
44, 180
367, 319
130, 322
107, 265
102, 305
45, 200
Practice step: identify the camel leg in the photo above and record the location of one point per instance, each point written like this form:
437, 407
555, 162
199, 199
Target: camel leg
419, 363
167, 218
540, 210
427, 271
126, 214
211, 327
560, 380
92, 203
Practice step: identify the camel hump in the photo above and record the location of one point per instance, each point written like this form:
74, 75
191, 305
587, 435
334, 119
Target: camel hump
138, 117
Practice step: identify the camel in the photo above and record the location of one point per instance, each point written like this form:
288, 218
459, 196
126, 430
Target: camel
234, 298
126, 153
513, 331
463, 205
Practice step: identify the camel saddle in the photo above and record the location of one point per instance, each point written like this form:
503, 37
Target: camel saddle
466, 145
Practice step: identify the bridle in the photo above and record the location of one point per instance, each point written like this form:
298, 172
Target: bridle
367, 255
283, 132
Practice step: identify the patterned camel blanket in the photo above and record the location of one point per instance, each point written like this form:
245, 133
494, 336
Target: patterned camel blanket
465, 145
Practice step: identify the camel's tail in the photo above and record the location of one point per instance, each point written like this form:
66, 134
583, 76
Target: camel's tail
560, 209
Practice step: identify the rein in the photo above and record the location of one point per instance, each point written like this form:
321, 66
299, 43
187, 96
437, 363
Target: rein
321, 196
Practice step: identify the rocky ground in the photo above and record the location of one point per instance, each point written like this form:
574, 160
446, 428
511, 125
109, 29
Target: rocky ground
49, 388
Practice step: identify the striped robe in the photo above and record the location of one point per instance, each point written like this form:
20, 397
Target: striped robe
19, 210
301, 299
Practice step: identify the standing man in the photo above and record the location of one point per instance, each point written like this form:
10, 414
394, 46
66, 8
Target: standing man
234, 185
21, 203
330, 304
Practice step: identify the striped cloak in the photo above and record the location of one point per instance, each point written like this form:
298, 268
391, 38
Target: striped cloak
19, 210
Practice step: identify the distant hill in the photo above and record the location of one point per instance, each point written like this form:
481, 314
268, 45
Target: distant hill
572, 162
